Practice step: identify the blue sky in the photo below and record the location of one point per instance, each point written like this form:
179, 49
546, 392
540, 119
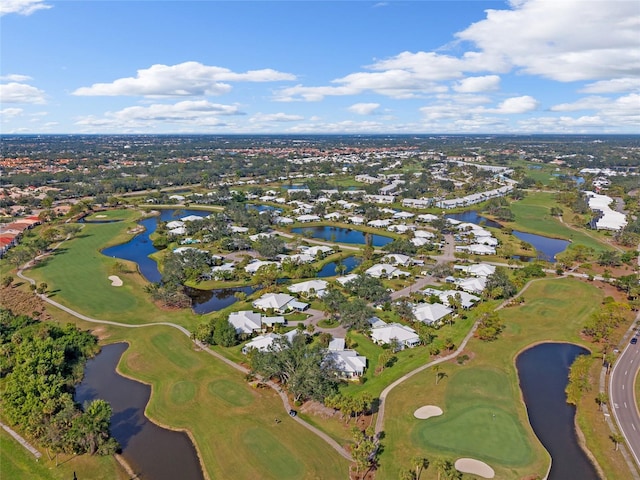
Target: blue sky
519, 66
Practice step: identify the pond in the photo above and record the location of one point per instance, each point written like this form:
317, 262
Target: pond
342, 235
153, 452
329, 270
263, 208
543, 371
206, 301
546, 247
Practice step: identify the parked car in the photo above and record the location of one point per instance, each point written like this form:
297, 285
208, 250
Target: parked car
634, 340
293, 413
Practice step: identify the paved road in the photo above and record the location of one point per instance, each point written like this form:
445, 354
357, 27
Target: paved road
622, 397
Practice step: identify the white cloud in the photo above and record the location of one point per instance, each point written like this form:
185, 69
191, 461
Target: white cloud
191, 113
478, 84
15, 92
363, 108
8, 113
516, 105
616, 85
184, 79
566, 40
22, 7
15, 78
274, 117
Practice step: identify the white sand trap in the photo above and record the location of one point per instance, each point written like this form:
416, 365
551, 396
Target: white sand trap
427, 411
101, 216
474, 467
116, 281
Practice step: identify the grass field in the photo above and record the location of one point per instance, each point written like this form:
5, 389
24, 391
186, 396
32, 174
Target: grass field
17, 463
533, 214
487, 384
232, 423
77, 276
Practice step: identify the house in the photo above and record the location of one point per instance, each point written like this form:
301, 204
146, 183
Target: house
426, 217
379, 223
346, 279
264, 342
356, 220
300, 258
178, 231
472, 285
256, 264
336, 345
333, 216
175, 224
477, 269
283, 220
272, 321
246, 321
191, 218
308, 218
348, 363
405, 336
431, 313
310, 288
236, 229
376, 322
403, 215
316, 250
397, 259
476, 249
259, 236
384, 270
279, 302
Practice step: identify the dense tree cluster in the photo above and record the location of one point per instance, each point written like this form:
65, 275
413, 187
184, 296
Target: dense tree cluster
302, 368
41, 364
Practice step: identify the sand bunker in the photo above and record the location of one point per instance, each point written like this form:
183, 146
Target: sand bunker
427, 411
474, 467
101, 216
116, 281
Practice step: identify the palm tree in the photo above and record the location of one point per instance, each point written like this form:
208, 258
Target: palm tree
420, 464
602, 399
617, 439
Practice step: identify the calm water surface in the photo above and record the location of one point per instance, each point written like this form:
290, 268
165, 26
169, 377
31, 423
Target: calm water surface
342, 235
543, 371
546, 247
153, 452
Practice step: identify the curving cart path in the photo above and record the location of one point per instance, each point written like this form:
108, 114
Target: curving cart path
283, 396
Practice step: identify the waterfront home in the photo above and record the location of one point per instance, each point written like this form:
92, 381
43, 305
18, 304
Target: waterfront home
308, 218
347, 278
397, 259
356, 220
477, 269
279, 302
256, 264
309, 288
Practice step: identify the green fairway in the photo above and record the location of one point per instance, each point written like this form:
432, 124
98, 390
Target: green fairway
479, 421
77, 276
533, 214
232, 423
487, 384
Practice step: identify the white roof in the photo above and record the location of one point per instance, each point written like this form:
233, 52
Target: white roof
466, 299
430, 312
349, 362
175, 224
380, 269
283, 220
308, 218
403, 215
305, 287
336, 345
397, 259
473, 285
276, 301
347, 278
236, 229
427, 217
261, 342
301, 258
477, 269
316, 249
405, 335
423, 234
178, 231
246, 321
254, 266
191, 218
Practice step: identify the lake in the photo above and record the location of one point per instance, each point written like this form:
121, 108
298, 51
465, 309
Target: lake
152, 452
329, 270
543, 371
206, 301
546, 247
342, 235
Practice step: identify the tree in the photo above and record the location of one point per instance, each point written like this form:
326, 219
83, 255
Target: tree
355, 314
617, 439
224, 333
420, 464
6, 281
267, 275
602, 399
270, 247
490, 326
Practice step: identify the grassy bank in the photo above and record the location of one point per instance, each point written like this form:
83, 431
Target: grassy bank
486, 385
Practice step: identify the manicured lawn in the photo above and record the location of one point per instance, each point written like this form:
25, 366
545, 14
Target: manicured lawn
77, 276
533, 214
487, 384
231, 422
17, 463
